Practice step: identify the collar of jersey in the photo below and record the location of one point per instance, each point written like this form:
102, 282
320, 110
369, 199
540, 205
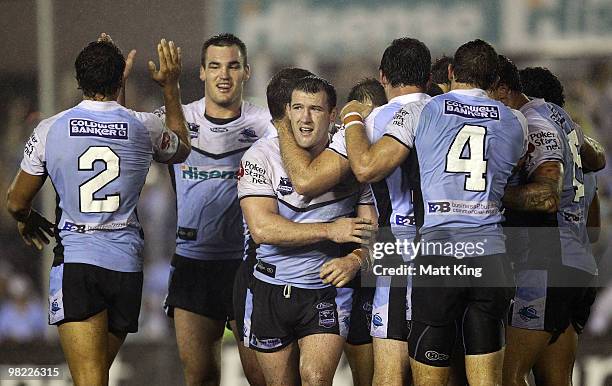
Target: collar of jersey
407, 98
99, 105
475, 92
531, 104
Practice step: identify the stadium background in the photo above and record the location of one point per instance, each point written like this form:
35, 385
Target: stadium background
340, 40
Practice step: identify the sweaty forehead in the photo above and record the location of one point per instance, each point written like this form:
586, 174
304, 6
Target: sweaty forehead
224, 54
310, 99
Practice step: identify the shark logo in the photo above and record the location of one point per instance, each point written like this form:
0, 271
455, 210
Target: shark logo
377, 321
55, 307
284, 186
528, 313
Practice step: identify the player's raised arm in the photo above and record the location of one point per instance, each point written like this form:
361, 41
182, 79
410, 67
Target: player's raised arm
310, 176
168, 78
369, 162
593, 155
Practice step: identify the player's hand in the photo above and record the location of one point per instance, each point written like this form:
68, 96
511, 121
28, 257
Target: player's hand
351, 230
34, 230
169, 64
129, 60
340, 271
356, 107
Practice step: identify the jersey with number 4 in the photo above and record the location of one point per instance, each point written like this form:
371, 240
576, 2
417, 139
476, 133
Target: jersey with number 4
97, 155
467, 145
209, 220
553, 136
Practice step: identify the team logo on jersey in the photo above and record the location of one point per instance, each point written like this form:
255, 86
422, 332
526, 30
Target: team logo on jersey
556, 116
194, 129
323, 305
284, 186
327, 318
219, 129
572, 217
528, 313
453, 107
432, 355
377, 321
195, 173
248, 135
87, 128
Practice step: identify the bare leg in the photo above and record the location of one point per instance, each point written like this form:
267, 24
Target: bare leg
484, 369
250, 366
199, 343
556, 363
280, 367
85, 345
391, 362
523, 348
360, 358
425, 375
319, 357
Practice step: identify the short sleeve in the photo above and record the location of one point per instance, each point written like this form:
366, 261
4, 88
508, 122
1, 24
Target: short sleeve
365, 195
338, 142
544, 145
165, 142
403, 124
33, 161
254, 177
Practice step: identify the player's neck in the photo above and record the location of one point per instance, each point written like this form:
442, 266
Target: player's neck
462, 86
393, 92
223, 112
317, 149
519, 101
100, 98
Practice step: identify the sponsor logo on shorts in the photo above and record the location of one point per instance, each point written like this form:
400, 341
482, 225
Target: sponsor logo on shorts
432, 355
377, 321
367, 306
323, 305
346, 321
269, 343
284, 186
470, 111
248, 135
327, 319
528, 313
80, 127
55, 307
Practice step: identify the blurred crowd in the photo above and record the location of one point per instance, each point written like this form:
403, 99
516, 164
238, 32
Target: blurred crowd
23, 305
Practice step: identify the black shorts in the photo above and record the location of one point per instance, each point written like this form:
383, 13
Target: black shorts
242, 292
391, 307
438, 300
203, 287
539, 306
361, 316
80, 291
284, 314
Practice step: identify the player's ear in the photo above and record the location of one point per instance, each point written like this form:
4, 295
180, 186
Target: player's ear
202, 74
451, 73
383, 79
247, 72
333, 114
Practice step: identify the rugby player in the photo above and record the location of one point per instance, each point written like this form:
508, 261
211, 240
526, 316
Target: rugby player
404, 74
97, 155
545, 318
467, 145
439, 73
278, 95
209, 238
539, 82
298, 300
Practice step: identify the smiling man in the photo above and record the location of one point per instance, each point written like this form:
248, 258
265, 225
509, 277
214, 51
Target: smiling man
210, 240
300, 305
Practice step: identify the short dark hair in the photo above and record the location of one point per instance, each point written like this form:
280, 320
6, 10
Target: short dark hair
224, 40
313, 84
475, 63
439, 70
508, 74
280, 87
540, 82
406, 62
99, 69
368, 88
434, 90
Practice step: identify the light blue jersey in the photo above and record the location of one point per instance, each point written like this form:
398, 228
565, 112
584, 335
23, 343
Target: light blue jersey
553, 136
262, 175
209, 220
402, 221
97, 155
467, 145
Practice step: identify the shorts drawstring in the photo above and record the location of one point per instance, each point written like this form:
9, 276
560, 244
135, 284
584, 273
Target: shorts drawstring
287, 291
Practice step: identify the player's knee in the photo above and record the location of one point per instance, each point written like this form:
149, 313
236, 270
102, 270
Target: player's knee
482, 334
202, 372
313, 374
431, 345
